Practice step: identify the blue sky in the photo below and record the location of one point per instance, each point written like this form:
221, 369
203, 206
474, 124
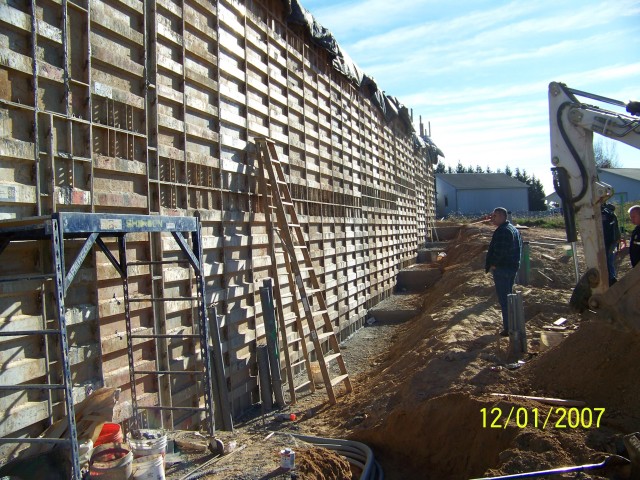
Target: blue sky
479, 70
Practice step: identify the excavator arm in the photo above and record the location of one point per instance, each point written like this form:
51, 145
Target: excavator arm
572, 125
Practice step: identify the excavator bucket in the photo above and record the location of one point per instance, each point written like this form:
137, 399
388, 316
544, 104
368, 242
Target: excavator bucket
621, 302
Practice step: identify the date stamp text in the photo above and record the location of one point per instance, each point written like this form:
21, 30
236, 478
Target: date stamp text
556, 417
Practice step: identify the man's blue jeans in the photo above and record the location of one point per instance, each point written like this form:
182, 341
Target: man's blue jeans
611, 266
504, 279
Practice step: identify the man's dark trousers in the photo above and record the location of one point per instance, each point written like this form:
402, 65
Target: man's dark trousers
504, 278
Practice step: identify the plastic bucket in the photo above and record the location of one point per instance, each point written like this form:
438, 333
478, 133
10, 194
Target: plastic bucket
110, 433
150, 467
155, 444
110, 461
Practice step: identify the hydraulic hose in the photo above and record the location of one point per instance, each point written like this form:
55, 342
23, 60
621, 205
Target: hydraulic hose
574, 154
356, 453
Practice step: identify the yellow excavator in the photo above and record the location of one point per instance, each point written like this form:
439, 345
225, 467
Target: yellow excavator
575, 178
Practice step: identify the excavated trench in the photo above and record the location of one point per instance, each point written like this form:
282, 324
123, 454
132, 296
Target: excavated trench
421, 442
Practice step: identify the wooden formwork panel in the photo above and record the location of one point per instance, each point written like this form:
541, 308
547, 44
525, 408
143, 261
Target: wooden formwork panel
152, 108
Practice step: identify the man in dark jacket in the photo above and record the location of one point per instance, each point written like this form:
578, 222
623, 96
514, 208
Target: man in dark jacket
634, 243
503, 260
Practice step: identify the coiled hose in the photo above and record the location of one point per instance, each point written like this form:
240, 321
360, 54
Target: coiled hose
356, 453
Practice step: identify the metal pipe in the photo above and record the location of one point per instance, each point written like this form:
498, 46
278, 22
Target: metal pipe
271, 330
264, 377
612, 460
574, 251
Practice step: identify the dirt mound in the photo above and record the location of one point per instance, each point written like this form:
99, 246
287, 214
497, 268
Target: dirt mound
421, 407
321, 464
438, 438
597, 364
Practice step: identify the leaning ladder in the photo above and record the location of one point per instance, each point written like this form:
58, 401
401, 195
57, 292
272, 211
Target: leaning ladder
276, 198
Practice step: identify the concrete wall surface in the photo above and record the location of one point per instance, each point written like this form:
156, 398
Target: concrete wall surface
151, 108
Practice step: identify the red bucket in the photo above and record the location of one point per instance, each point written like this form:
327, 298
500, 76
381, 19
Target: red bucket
110, 433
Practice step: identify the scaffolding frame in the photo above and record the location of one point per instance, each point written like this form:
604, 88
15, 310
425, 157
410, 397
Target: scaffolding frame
93, 228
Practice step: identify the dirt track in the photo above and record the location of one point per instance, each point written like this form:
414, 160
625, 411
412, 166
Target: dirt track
422, 396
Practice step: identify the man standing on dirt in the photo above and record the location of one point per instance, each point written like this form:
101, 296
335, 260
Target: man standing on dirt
503, 260
634, 243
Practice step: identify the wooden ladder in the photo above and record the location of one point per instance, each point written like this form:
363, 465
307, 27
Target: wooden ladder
313, 319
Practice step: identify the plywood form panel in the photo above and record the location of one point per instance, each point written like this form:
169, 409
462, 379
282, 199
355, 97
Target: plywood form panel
218, 81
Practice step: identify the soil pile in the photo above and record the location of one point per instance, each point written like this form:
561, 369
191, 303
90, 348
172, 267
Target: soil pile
322, 464
597, 364
426, 408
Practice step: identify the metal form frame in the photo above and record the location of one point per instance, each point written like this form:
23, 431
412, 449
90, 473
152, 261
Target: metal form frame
93, 228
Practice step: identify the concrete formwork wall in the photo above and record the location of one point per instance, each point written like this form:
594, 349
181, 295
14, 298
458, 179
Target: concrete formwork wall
151, 107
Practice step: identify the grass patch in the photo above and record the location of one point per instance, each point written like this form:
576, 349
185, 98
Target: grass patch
554, 222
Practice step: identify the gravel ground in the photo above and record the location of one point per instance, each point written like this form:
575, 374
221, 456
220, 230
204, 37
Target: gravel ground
258, 438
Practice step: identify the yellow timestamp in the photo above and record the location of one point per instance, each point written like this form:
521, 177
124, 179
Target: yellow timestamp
556, 417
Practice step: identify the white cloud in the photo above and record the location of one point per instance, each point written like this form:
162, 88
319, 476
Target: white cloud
479, 71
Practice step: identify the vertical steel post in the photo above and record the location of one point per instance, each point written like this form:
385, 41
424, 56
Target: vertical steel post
271, 330
264, 377
204, 328
36, 103
222, 402
122, 246
57, 247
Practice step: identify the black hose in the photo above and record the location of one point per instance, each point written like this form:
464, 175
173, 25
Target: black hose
574, 153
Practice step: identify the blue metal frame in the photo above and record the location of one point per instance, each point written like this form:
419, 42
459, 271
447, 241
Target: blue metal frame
93, 227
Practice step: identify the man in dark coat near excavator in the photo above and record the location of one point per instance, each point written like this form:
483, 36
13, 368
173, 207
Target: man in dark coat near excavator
503, 260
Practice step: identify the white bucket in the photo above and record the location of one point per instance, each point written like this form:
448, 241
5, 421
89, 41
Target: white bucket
150, 467
142, 447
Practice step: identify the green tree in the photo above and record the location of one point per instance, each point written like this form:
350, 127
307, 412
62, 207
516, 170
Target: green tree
440, 167
488, 169
479, 169
536, 194
459, 167
522, 176
507, 171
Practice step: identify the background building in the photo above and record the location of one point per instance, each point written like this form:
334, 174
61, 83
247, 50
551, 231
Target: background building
477, 193
625, 183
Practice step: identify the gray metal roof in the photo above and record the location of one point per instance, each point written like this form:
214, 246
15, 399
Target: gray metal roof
479, 181
630, 173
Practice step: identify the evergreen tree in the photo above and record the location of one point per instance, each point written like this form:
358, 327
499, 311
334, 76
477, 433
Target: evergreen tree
489, 169
449, 169
440, 168
507, 171
479, 169
536, 194
460, 168
522, 176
